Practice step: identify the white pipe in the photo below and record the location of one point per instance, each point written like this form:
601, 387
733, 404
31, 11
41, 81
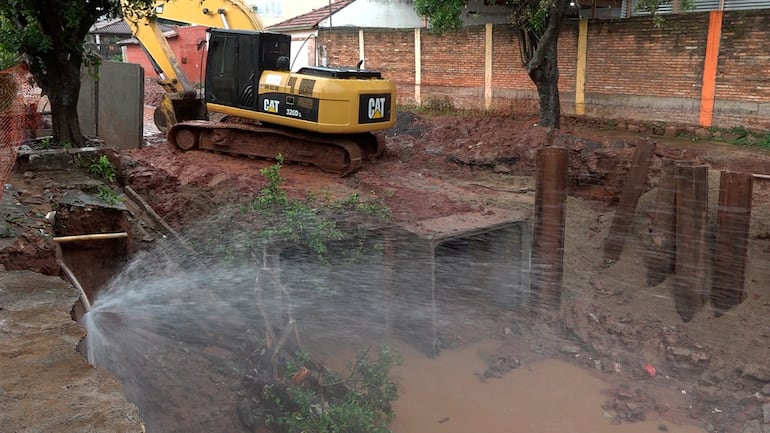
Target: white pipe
74, 281
224, 19
93, 237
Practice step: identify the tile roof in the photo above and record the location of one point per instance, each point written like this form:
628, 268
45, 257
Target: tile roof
111, 27
311, 19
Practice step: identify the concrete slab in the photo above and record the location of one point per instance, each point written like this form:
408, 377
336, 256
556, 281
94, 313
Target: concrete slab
474, 259
38, 339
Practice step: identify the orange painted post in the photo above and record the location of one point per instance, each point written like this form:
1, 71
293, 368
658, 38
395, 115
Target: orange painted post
732, 241
710, 69
548, 230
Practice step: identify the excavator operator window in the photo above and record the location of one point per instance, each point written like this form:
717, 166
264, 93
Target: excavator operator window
247, 70
236, 60
276, 51
232, 71
220, 70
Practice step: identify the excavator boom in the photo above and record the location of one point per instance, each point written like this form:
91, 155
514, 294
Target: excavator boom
211, 13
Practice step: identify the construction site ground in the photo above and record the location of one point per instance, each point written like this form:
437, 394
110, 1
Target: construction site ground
434, 166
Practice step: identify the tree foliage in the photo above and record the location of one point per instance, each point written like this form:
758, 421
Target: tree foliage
8, 56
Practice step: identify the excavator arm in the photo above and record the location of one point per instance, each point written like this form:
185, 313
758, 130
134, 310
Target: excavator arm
181, 101
225, 14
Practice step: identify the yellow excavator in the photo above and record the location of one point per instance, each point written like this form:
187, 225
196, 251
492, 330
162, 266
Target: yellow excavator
252, 103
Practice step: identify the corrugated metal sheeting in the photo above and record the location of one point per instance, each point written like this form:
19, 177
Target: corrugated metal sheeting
708, 5
698, 6
733, 5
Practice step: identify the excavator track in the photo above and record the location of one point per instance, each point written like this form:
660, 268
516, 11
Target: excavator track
342, 154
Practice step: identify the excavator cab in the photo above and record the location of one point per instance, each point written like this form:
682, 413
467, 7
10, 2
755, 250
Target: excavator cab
236, 60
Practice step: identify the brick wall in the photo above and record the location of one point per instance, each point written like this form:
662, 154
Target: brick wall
184, 45
633, 57
634, 70
743, 71
388, 51
631, 65
341, 46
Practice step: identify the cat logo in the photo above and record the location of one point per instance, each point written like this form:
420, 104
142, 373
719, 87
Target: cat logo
376, 108
271, 106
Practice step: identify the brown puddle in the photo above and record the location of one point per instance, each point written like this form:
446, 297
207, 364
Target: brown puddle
443, 395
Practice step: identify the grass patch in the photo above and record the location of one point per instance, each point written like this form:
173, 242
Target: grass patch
741, 136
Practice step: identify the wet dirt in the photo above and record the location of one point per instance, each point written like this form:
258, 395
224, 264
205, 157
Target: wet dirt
710, 372
446, 395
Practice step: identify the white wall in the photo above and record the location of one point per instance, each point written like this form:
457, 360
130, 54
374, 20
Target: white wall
289, 9
475, 13
303, 49
376, 13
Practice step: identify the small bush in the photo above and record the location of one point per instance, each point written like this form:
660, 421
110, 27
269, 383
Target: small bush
362, 402
101, 166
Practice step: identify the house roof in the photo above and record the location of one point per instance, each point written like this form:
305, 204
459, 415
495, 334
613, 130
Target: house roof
116, 26
311, 19
169, 31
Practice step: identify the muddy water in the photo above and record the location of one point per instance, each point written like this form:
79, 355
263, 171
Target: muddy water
443, 395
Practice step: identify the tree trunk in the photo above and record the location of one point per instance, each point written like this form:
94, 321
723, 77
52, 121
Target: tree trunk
540, 59
63, 90
546, 79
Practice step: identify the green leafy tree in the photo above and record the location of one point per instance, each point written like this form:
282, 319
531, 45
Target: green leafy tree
8, 57
538, 23
49, 35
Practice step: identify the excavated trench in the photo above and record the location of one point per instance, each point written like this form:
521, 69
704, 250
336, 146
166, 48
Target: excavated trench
185, 339
413, 294
187, 353
184, 336
92, 261
188, 372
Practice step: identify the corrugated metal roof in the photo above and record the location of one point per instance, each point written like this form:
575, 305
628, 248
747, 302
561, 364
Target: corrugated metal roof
732, 5
311, 19
703, 6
